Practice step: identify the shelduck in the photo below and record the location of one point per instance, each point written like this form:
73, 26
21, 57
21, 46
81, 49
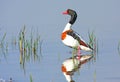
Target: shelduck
71, 65
71, 38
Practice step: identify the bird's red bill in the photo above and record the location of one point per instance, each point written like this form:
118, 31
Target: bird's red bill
65, 12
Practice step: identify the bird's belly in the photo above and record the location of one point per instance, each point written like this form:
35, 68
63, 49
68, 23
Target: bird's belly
71, 42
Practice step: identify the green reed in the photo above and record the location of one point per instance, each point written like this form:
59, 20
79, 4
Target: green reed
29, 47
93, 43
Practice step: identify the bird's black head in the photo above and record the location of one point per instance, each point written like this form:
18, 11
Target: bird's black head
73, 15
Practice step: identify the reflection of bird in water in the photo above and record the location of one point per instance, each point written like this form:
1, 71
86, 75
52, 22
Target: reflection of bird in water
70, 37
72, 64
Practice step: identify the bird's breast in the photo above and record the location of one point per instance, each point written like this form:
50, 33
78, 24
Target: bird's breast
63, 35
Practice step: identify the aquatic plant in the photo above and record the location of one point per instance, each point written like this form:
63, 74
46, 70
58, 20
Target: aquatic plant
93, 43
29, 47
31, 78
3, 46
119, 48
94, 76
14, 42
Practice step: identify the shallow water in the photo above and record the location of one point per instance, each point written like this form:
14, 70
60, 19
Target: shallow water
48, 69
104, 69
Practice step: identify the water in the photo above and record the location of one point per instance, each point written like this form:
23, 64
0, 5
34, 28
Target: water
48, 69
54, 52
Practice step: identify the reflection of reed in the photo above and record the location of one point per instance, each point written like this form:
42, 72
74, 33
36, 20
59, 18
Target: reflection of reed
94, 77
3, 46
73, 64
29, 48
31, 78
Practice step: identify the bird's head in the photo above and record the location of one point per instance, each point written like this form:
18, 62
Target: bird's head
72, 13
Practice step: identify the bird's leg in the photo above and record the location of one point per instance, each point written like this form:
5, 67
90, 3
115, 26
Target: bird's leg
78, 52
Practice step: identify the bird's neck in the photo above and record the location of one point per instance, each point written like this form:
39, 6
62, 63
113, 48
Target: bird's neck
67, 27
73, 18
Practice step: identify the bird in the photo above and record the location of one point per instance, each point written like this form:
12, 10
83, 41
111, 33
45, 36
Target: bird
71, 38
72, 64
